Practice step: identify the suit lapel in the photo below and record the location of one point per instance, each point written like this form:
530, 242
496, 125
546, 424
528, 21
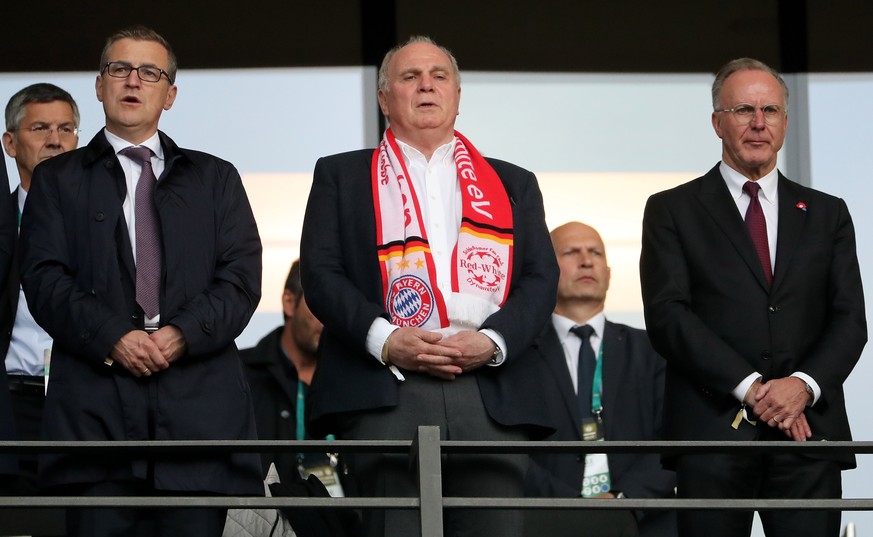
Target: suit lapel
108, 188
549, 347
791, 221
715, 196
613, 368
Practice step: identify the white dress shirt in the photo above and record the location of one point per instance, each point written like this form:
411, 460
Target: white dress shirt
436, 185
132, 169
29, 345
769, 198
571, 343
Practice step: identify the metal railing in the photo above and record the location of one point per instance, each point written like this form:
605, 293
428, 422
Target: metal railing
425, 451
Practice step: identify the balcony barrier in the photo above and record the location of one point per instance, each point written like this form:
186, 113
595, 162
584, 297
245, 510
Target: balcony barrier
425, 451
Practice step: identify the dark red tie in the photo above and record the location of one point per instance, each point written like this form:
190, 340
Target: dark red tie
148, 234
757, 225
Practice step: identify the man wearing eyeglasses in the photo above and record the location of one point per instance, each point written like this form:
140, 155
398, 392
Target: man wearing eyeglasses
752, 293
142, 260
42, 121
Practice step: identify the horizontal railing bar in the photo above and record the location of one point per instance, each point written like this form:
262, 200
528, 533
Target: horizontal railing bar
207, 501
402, 446
207, 446
660, 504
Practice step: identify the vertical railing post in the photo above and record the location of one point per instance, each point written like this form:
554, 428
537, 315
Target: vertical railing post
426, 453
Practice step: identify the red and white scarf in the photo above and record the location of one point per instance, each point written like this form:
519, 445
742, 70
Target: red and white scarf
481, 259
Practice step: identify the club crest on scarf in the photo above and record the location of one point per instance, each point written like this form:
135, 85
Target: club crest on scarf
482, 257
410, 301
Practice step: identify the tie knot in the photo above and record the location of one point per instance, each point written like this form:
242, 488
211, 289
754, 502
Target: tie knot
140, 154
751, 188
583, 331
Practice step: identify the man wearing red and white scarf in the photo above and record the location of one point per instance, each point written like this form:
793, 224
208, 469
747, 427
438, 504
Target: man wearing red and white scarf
432, 270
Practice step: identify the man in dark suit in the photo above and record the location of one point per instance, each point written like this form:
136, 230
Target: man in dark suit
42, 121
143, 285
8, 462
624, 397
279, 371
431, 269
760, 321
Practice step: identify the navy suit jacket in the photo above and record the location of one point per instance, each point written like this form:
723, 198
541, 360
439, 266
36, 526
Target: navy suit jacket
712, 316
633, 390
343, 287
8, 234
79, 279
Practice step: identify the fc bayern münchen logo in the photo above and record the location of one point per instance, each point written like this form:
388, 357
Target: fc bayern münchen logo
410, 301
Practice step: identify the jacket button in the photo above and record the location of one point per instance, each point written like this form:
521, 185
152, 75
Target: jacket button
109, 163
285, 414
207, 327
773, 309
135, 316
766, 355
85, 335
100, 216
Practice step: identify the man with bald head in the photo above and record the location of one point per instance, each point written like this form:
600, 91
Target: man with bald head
430, 268
603, 381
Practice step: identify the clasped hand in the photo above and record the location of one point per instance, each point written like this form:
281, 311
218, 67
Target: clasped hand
144, 354
780, 403
415, 349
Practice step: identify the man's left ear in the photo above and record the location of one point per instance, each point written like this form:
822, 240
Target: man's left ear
171, 97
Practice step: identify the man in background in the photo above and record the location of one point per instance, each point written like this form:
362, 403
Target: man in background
604, 382
42, 121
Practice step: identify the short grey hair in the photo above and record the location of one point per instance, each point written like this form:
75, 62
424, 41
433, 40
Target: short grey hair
742, 64
383, 69
42, 92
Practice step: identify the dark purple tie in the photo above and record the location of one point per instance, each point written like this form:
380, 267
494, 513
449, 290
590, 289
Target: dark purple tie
585, 369
148, 235
757, 225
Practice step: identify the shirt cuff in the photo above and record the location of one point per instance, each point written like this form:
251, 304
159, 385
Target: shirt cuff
377, 335
743, 387
816, 390
499, 341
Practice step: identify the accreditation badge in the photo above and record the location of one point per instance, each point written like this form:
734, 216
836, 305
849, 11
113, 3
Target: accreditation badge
326, 473
596, 480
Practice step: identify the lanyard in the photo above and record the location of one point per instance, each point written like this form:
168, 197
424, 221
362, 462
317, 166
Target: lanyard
597, 384
301, 427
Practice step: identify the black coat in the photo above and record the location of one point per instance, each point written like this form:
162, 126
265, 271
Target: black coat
78, 277
343, 283
712, 316
274, 394
633, 394
8, 234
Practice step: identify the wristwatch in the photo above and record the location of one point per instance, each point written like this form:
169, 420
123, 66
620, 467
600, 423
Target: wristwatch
497, 357
810, 392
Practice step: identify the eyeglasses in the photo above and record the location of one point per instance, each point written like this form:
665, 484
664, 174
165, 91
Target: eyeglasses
745, 113
44, 130
146, 73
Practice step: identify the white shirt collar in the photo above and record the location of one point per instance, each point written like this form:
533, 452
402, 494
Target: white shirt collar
443, 154
563, 325
735, 181
119, 144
